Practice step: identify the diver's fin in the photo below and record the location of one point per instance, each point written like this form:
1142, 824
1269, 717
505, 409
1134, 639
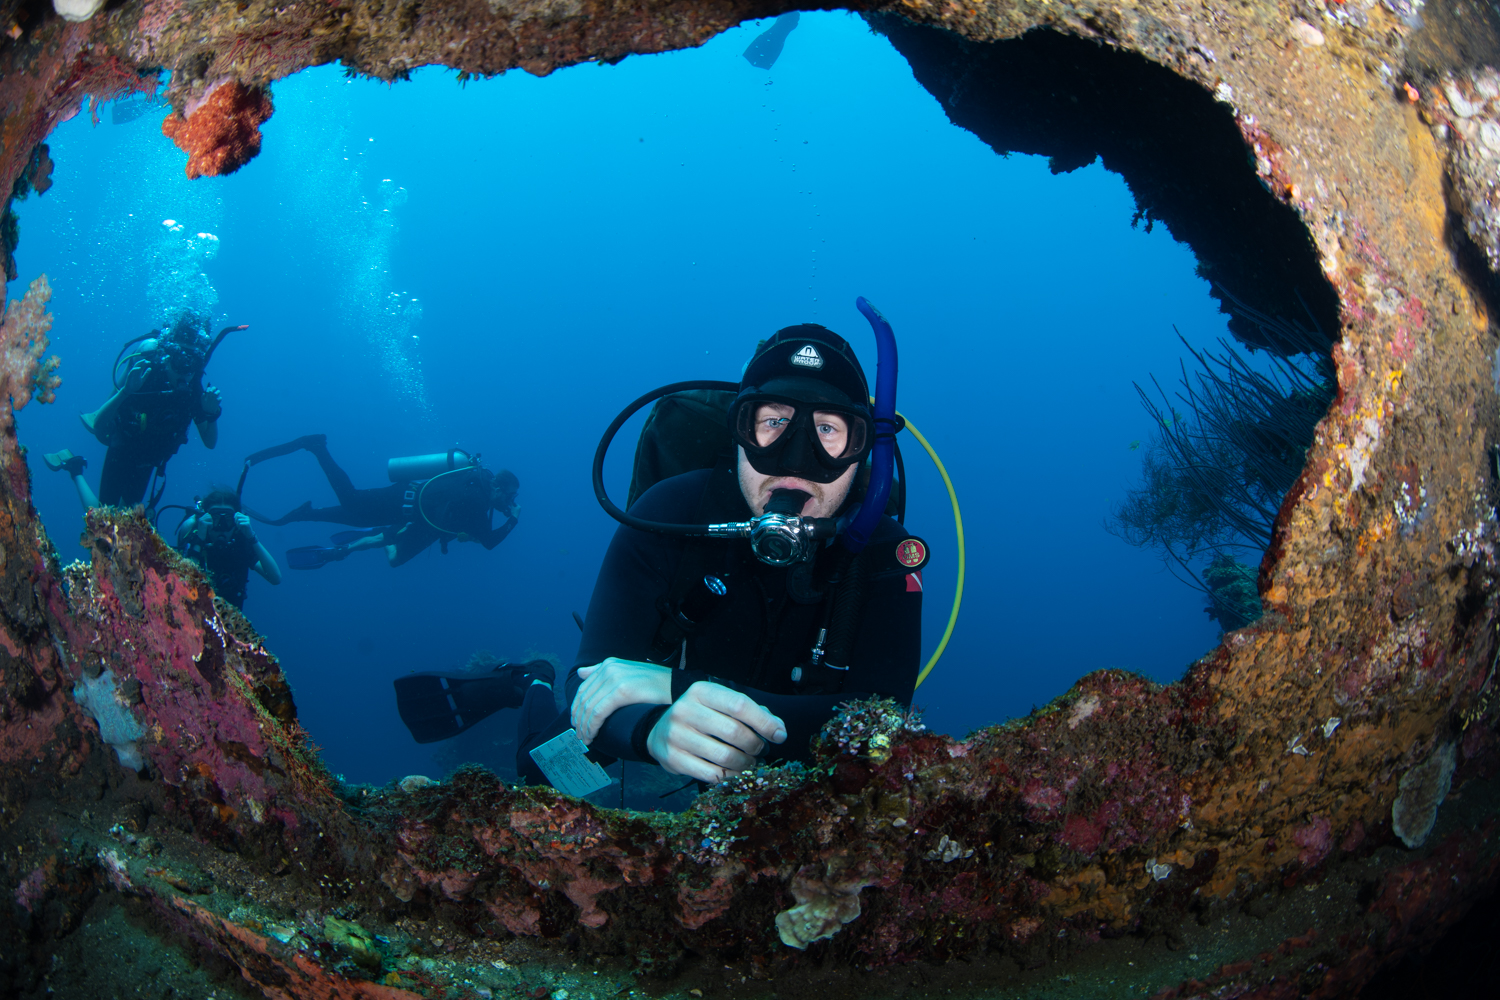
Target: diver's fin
258, 516
314, 556
440, 706
287, 518
307, 442
346, 537
57, 461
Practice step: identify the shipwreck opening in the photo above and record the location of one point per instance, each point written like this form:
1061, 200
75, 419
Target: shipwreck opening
1217, 470
639, 221
1125, 810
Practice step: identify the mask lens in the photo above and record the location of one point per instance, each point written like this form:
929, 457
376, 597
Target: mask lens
842, 435
761, 423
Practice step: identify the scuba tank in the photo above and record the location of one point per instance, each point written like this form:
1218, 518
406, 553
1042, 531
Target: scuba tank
412, 467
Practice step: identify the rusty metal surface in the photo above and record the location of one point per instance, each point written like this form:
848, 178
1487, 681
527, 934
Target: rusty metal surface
1308, 750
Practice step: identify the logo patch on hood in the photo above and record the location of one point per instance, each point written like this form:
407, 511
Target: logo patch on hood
808, 357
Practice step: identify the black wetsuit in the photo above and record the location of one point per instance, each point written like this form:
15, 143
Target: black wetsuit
414, 514
227, 561
443, 507
752, 640
149, 426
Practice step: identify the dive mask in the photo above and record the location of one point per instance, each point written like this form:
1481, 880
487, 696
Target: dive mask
785, 435
222, 519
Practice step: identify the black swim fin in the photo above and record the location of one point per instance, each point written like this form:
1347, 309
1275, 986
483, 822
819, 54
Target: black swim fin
440, 706
294, 515
310, 442
346, 537
314, 556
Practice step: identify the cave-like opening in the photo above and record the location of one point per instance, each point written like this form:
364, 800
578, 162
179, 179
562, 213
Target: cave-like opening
637, 216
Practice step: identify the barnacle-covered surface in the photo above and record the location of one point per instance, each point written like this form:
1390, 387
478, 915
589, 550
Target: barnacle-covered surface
1273, 825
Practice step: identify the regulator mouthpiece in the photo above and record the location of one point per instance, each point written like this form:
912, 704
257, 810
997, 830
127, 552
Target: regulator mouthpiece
781, 536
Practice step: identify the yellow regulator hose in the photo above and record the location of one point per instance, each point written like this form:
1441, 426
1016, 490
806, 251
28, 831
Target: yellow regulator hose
958, 523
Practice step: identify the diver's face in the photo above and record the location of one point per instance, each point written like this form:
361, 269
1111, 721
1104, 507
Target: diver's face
827, 498
771, 419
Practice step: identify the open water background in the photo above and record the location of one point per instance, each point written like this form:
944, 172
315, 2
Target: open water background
573, 241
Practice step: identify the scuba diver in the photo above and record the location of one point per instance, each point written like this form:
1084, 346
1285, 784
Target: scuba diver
432, 498
158, 394
217, 536
737, 607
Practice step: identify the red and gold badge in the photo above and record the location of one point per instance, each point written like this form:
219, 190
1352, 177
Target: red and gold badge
911, 552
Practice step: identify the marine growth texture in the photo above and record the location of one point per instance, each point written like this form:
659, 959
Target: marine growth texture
1316, 798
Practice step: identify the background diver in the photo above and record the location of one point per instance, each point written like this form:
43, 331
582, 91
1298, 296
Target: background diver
217, 536
157, 395
432, 498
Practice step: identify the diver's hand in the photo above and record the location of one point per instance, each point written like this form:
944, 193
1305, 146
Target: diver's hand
712, 732
136, 377
514, 510
242, 523
212, 403
614, 684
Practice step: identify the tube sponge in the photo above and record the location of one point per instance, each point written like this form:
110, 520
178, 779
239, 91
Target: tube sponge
101, 698
77, 10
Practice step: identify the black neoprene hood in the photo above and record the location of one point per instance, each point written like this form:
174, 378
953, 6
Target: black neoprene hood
808, 351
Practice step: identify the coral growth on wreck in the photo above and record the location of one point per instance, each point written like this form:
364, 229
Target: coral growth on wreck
23, 341
220, 132
1312, 748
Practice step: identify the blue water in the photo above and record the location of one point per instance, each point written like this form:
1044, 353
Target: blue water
573, 241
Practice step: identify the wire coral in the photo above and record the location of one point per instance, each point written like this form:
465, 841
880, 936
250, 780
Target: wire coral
23, 341
1213, 480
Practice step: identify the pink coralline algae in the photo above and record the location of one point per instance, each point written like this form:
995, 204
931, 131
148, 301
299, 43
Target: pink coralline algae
23, 341
32, 889
1316, 841
156, 16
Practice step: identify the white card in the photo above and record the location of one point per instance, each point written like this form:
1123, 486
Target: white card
562, 759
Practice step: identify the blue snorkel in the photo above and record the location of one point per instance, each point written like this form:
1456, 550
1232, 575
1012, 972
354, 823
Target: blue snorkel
882, 457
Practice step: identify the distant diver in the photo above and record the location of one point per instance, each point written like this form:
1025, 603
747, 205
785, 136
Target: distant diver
158, 394
217, 536
766, 49
432, 498
135, 106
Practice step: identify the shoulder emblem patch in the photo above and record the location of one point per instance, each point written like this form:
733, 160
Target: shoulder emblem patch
911, 552
808, 357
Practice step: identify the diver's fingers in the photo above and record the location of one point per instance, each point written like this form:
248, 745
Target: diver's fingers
740, 706
712, 752
680, 749
714, 724
592, 704
614, 684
